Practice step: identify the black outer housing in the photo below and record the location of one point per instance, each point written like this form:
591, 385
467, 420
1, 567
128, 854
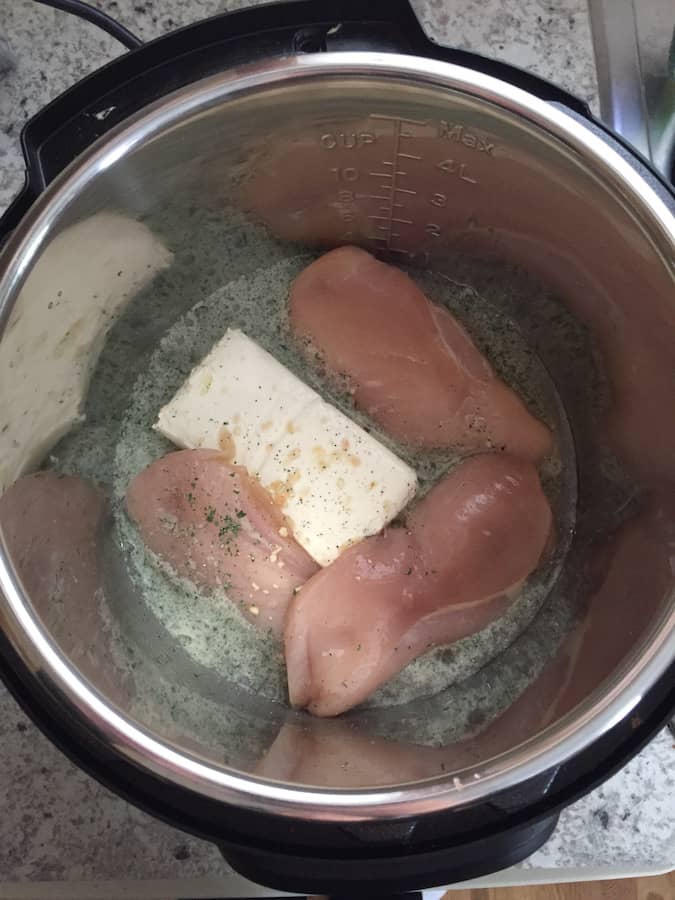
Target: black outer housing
364, 859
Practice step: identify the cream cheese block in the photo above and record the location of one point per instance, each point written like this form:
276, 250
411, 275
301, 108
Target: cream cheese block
335, 482
80, 284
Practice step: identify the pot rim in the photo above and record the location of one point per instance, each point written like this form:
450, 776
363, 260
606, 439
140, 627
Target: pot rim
40, 653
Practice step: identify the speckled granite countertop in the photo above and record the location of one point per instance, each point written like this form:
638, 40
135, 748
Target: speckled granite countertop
61, 833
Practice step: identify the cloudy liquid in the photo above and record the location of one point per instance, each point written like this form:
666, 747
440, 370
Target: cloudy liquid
172, 326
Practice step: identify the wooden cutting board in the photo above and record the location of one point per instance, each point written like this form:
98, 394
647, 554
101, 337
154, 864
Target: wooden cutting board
659, 888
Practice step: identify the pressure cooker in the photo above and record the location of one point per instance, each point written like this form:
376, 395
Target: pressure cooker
192, 161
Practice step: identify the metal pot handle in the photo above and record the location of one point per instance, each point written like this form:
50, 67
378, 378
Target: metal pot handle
623, 106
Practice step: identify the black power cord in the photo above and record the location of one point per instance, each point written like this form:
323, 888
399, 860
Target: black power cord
96, 17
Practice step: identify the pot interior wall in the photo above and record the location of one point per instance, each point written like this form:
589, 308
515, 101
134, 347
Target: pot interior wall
202, 226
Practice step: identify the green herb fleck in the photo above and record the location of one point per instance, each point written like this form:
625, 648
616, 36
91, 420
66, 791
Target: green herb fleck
228, 526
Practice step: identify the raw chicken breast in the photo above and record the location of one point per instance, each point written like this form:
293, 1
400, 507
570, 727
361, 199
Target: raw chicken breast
334, 754
408, 364
217, 527
468, 547
53, 527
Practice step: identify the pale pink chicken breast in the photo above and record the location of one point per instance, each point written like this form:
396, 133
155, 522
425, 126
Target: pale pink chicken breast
334, 754
632, 563
53, 527
216, 526
468, 547
408, 363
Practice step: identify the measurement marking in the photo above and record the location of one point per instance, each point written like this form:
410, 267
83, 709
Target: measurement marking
398, 250
398, 120
397, 148
393, 197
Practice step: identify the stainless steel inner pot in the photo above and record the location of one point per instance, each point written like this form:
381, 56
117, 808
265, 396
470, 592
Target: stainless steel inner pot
482, 184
